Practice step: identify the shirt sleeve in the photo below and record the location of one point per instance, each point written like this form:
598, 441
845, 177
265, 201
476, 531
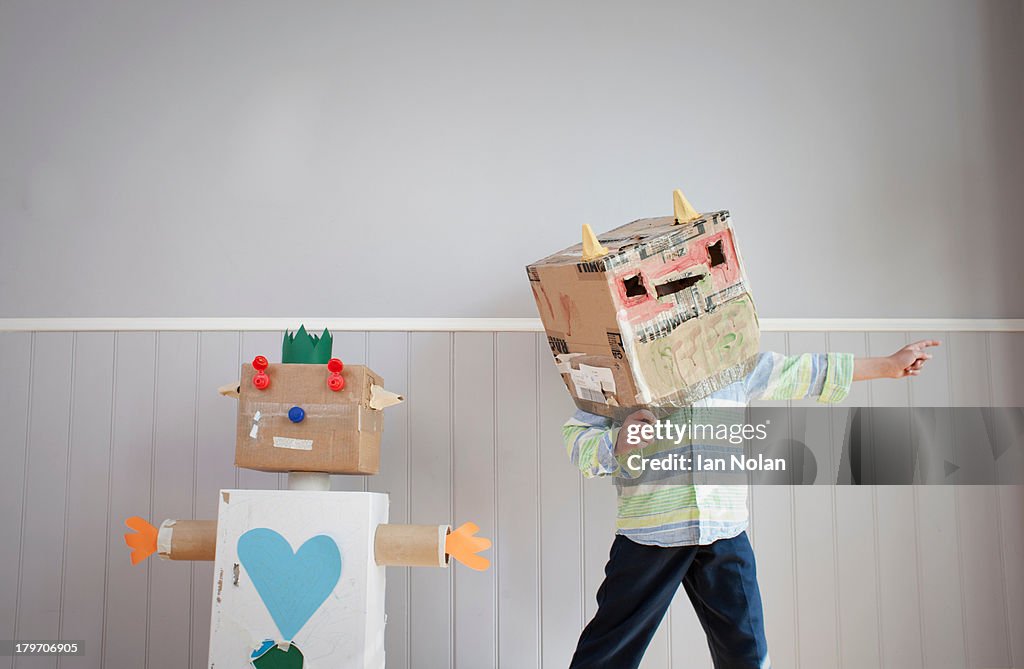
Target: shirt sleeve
825, 376
590, 443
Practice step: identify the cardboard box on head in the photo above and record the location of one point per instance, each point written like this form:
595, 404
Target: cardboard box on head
655, 313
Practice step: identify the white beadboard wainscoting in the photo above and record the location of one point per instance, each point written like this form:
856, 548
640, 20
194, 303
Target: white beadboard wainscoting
100, 425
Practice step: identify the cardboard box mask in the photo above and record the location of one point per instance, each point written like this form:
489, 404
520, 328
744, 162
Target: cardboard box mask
655, 313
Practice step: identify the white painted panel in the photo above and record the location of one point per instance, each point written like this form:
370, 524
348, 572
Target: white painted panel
1006, 350
969, 362
899, 555
474, 476
45, 513
942, 611
131, 494
430, 493
518, 506
813, 523
1011, 508
16, 370
985, 604
88, 486
856, 541
985, 596
173, 490
897, 548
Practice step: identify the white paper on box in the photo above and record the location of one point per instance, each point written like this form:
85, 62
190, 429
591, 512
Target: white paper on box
602, 376
347, 629
592, 382
294, 444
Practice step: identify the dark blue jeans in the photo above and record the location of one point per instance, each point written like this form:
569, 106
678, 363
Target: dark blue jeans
639, 582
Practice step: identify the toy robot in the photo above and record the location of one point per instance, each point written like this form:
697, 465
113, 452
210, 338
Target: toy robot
299, 574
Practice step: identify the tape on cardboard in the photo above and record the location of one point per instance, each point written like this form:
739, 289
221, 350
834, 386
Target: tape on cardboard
294, 444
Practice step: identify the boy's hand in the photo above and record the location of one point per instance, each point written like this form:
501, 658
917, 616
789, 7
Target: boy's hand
639, 419
909, 360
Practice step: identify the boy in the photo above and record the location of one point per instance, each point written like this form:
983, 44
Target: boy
696, 534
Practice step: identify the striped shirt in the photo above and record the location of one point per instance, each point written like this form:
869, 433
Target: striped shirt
650, 512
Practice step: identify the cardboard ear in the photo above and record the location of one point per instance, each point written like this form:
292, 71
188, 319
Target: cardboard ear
382, 399
684, 211
230, 389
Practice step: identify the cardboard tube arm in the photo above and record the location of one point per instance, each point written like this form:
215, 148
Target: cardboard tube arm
410, 545
187, 539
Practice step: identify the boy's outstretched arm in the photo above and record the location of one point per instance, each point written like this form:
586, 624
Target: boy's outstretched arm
907, 361
828, 376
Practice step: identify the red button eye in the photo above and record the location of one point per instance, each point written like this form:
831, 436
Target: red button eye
336, 382
261, 381
335, 366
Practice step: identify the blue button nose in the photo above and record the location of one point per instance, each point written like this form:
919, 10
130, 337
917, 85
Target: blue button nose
296, 414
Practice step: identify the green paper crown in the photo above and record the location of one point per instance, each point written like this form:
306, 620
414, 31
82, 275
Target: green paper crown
302, 348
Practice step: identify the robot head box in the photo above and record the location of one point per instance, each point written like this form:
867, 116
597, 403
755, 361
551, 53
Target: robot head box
311, 412
655, 313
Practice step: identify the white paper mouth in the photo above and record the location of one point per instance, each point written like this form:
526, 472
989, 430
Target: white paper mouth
294, 444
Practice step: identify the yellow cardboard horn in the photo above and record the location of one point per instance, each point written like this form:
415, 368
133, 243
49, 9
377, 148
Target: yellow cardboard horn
684, 211
592, 249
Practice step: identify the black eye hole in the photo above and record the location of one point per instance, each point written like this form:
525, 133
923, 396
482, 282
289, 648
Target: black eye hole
677, 285
634, 286
716, 253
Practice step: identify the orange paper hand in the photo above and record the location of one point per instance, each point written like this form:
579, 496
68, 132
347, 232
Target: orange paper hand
463, 546
142, 541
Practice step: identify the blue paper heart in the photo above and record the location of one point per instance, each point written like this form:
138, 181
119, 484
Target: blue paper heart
291, 585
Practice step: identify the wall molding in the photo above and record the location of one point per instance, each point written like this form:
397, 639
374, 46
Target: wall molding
477, 324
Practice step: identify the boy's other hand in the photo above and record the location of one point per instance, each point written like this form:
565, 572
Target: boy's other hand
639, 419
909, 360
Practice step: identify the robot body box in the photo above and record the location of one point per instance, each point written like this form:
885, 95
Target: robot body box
295, 580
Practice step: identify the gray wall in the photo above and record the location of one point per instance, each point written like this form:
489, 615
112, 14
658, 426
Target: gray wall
100, 426
375, 159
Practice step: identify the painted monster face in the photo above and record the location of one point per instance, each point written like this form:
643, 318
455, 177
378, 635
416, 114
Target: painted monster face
661, 317
308, 417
